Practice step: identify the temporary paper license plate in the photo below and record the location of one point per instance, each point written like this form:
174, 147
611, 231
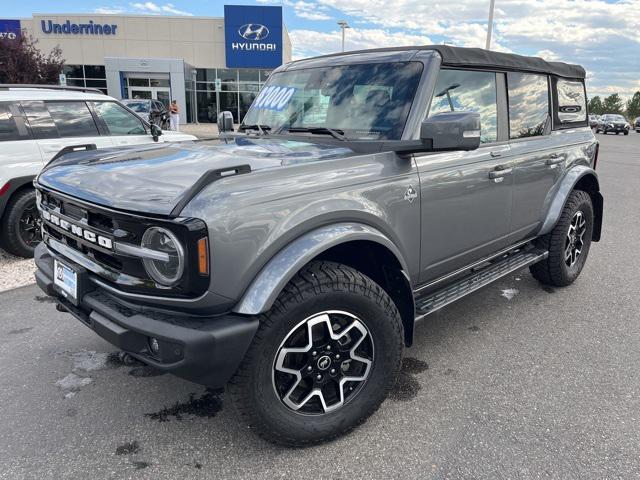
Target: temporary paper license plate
66, 279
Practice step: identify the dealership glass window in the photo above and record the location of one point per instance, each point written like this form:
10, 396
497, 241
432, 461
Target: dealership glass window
159, 82
138, 82
72, 119
73, 71
246, 98
470, 91
96, 83
207, 107
86, 76
118, 120
206, 75
94, 71
528, 96
229, 101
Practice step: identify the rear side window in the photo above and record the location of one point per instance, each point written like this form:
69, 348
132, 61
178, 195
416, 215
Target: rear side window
118, 120
470, 91
72, 119
528, 97
572, 101
40, 121
10, 129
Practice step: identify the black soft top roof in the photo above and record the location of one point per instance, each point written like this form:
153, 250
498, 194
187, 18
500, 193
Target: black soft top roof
481, 58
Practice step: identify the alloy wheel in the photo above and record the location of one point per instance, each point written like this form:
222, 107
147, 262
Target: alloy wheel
574, 243
323, 362
29, 226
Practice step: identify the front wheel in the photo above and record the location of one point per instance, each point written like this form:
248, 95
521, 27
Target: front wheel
324, 357
568, 243
20, 224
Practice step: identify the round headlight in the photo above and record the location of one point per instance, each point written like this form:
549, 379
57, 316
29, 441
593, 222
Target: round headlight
166, 271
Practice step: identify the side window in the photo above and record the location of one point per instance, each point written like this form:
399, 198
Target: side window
469, 91
72, 119
118, 120
572, 101
528, 96
10, 129
40, 121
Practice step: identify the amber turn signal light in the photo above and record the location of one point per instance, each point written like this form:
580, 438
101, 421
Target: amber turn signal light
203, 256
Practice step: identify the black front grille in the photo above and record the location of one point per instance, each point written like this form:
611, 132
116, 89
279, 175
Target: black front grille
121, 271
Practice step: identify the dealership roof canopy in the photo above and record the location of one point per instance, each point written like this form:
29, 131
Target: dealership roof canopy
481, 58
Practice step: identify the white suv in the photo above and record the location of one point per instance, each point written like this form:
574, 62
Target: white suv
38, 123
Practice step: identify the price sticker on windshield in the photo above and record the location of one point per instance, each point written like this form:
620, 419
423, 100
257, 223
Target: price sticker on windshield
274, 98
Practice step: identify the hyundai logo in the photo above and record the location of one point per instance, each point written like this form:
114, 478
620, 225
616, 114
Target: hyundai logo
253, 31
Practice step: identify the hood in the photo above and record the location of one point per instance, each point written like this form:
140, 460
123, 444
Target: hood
154, 179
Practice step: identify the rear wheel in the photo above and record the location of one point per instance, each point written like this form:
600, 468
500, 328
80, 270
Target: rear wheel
324, 357
568, 243
21, 225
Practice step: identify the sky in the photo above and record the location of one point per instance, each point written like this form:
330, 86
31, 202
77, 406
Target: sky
601, 35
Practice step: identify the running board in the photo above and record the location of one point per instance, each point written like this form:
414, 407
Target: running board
505, 265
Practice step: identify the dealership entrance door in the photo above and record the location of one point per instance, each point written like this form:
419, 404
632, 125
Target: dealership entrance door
149, 86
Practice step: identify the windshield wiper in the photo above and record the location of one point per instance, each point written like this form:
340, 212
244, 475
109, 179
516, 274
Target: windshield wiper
262, 129
334, 132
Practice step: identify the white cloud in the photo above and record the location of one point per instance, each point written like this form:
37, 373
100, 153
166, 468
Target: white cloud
110, 10
304, 9
308, 43
158, 9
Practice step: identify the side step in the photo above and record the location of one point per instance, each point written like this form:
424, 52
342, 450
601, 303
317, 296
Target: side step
504, 265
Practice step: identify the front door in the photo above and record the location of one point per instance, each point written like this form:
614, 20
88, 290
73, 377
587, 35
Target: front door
466, 196
162, 94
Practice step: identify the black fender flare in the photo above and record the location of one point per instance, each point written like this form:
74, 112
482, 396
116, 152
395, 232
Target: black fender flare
14, 185
583, 178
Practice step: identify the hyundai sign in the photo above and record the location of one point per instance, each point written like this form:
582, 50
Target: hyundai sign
9, 29
253, 36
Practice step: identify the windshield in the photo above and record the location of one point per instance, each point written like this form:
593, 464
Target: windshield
363, 101
614, 118
140, 107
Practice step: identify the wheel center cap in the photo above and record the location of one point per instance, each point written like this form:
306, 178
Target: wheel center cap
324, 362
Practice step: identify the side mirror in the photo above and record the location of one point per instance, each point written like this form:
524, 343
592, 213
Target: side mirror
156, 131
451, 131
225, 122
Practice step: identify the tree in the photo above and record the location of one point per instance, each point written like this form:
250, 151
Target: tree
613, 104
595, 106
633, 106
22, 62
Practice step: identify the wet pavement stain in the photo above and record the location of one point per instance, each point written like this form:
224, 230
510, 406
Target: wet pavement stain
141, 464
407, 386
145, 371
549, 289
208, 405
451, 371
474, 328
128, 448
72, 412
44, 299
198, 465
20, 331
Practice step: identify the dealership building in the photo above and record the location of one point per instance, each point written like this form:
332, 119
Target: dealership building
206, 64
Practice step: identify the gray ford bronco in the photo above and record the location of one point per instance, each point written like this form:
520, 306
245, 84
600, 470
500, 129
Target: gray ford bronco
288, 261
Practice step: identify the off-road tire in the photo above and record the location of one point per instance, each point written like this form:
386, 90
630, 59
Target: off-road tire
320, 286
10, 238
626, 133
554, 270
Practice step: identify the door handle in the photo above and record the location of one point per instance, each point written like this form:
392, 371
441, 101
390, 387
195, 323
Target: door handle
554, 159
500, 171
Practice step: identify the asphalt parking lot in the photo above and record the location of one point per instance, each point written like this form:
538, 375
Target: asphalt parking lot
515, 381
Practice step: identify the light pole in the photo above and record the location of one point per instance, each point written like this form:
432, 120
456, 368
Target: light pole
343, 25
492, 6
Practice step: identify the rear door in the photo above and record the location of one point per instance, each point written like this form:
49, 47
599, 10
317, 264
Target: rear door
538, 163
62, 123
122, 127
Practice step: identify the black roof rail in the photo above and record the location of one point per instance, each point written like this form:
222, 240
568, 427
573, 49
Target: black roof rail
7, 86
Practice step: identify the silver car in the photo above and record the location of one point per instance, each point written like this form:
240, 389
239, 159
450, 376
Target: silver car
290, 260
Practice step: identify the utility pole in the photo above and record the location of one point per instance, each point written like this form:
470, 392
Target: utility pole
492, 6
343, 25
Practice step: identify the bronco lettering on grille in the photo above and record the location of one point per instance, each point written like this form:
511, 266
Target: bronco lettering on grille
77, 230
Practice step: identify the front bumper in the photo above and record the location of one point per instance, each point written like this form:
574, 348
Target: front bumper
204, 350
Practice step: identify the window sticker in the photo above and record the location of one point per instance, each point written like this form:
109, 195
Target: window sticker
274, 98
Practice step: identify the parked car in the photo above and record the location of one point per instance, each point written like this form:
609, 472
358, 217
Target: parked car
613, 123
636, 124
593, 120
40, 123
152, 111
289, 261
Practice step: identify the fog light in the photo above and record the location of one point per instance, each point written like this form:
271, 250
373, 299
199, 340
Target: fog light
154, 345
